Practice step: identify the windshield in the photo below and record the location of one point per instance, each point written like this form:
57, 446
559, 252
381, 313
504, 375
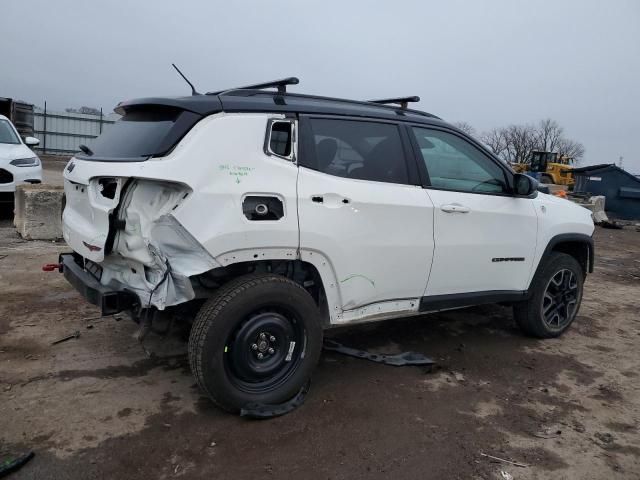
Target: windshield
135, 137
7, 133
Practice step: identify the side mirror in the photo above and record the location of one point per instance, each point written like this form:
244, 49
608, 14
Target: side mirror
31, 141
525, 186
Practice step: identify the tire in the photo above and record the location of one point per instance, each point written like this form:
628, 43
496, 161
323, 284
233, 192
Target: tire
556, 293
256, 341
548, 179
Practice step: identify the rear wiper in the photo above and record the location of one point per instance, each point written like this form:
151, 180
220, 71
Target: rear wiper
85, 149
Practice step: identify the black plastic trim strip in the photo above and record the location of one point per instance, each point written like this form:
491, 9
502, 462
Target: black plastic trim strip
458, 300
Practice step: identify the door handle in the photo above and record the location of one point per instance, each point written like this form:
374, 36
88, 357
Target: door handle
454, 208
330, 200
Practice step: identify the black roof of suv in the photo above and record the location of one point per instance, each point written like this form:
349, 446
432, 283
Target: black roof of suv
256, 100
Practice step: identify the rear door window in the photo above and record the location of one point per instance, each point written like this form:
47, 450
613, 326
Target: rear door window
357, 149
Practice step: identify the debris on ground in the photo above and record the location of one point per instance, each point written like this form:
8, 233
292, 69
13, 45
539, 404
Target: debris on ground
506, 475
397, 360
263, 411
504, 460
11, 465
548, 432
612, 224
75, 334
604, 440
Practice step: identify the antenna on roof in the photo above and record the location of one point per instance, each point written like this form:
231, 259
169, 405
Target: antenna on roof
402, 101
193, 89
281, 85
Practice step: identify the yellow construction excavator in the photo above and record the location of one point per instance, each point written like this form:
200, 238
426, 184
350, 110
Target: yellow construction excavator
552, 167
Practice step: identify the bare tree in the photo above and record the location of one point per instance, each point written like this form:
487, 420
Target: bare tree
495, 141
571, 149
515, 142
466, 128
520, 140
549, 134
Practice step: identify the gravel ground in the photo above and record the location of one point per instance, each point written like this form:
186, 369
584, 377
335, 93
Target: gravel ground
99, 407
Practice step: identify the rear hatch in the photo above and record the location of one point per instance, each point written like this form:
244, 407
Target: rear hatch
95, 179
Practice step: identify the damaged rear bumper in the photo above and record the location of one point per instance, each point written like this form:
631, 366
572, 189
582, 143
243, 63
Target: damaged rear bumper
126, 228
110, 301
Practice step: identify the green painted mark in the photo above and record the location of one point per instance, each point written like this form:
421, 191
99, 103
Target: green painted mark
351, 277
237, 171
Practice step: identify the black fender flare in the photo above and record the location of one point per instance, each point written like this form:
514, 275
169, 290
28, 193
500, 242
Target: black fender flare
570, 237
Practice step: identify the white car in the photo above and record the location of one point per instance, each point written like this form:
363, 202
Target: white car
265, 217
18, 163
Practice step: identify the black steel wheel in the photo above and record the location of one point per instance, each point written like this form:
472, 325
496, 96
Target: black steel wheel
555, 296
260, 352
255, 342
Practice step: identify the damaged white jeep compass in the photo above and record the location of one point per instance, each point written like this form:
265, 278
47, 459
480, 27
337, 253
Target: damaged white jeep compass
263, 217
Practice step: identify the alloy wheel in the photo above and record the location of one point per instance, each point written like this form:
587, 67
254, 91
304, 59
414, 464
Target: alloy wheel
560, 299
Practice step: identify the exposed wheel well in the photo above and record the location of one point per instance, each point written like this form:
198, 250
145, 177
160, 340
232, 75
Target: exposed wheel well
303, 273
577, 249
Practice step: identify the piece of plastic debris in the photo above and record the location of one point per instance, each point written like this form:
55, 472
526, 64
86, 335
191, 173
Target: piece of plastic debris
9, 466
398, 360
262, 411
75, 334
612, 224
510, 462
506, 475
547, 433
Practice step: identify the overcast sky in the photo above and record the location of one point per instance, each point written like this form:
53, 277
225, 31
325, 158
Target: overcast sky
489, 63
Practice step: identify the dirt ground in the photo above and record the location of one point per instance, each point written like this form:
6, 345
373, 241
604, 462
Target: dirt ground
99, 407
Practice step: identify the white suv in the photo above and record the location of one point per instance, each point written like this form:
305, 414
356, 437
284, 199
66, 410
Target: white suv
264, 217
18, 163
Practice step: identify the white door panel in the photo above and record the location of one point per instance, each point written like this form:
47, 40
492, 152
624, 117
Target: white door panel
482, 242
378, 236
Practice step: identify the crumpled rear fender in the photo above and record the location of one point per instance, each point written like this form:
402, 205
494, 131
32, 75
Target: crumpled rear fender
154, 255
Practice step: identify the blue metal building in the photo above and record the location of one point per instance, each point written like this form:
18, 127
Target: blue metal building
621, 189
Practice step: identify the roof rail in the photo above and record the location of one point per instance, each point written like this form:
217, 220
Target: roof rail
402, 101
281, 85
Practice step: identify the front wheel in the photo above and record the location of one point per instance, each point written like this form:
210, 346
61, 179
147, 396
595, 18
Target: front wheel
556, 293
255, 342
